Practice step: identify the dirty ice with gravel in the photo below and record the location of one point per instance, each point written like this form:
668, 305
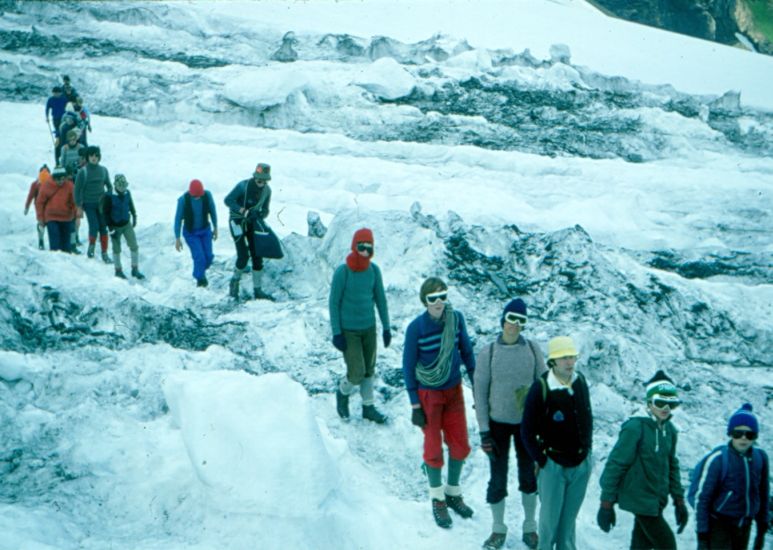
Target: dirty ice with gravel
617, 178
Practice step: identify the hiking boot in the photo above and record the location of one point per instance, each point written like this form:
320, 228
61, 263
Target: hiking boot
496, 541
107, 259
342, 404
41, 246
531, 540
233, 289
370, 412
90, 252
456, 503
75, 250
440, 513
202, 282
136, 274
260, 295
119, 274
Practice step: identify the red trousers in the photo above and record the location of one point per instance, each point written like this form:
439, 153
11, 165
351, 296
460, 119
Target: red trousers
446, 422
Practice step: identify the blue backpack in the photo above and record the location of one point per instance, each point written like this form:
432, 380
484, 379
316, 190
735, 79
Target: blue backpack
698, 474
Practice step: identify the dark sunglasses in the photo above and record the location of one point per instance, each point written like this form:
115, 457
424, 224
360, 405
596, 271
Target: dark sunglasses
515, 318
663, 403
748, 434
437, 296
365, 247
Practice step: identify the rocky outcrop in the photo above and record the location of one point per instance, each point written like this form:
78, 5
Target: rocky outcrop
717, 20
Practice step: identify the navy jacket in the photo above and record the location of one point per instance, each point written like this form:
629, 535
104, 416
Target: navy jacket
422, 343
743, 494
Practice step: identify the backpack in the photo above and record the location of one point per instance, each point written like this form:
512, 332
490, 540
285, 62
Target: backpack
699, 472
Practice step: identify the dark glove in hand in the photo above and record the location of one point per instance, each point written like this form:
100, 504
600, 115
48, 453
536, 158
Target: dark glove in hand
339, 342
606, 517
703, 541
682, 515
418, 418
759, 540
488, 445
134, 221
387, 338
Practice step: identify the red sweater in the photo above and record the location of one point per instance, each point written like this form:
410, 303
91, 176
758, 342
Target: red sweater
55, 203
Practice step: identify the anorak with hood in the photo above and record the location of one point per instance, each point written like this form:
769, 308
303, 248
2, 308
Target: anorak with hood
642, 470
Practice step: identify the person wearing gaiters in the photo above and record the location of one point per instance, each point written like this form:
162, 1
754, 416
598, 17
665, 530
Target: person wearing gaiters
436, 344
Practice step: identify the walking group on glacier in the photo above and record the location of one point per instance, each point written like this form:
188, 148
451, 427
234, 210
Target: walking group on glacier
541, 408
545, 412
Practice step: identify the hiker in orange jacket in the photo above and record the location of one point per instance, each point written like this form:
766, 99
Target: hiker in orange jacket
44, 174
55, 207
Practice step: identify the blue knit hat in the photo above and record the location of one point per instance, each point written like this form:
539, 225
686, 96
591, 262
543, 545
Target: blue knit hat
515, 306
743, 417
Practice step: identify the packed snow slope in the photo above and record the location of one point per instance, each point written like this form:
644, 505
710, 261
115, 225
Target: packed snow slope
617, 178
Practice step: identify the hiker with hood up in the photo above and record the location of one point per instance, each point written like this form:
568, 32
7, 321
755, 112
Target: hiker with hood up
733, 489
91, 183
195, 211
557, 431
356, 289
121, 219
505, 370
249, 203
43, 176
642, 470
55, 208
436, 345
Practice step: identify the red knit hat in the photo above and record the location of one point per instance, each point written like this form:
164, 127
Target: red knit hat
196, 188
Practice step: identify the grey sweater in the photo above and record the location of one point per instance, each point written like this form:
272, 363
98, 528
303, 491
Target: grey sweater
91, 183
503, 379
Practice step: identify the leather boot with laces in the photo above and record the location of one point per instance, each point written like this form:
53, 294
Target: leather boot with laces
260, 295
495, 541
456, 503
119, 273
136, 273
370, 412
90, 251
531, 540
440, 513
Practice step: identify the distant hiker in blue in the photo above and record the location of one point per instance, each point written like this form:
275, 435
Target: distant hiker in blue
55, 108
733, 489
248, 202
356, 289
121, 218
436, 345
195, 211
642, 471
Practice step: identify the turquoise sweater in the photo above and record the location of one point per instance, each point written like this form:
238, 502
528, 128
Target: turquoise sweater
352, 297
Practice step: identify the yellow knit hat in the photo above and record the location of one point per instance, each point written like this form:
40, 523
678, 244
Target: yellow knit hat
561, 346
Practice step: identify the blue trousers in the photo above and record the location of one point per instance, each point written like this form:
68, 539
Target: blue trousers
96, 220
200, 243
59, 235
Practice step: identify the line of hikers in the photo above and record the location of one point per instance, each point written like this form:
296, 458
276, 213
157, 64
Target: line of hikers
71, 120
110, 211
545, 411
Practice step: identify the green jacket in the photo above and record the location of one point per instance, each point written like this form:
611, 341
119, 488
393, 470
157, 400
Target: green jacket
642, 469
352, 297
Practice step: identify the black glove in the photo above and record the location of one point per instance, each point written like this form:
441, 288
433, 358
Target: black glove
606, 517
339, 342
703, 541
387, 334
488, 445
418, 418
134, 221
681, 513
759, 540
